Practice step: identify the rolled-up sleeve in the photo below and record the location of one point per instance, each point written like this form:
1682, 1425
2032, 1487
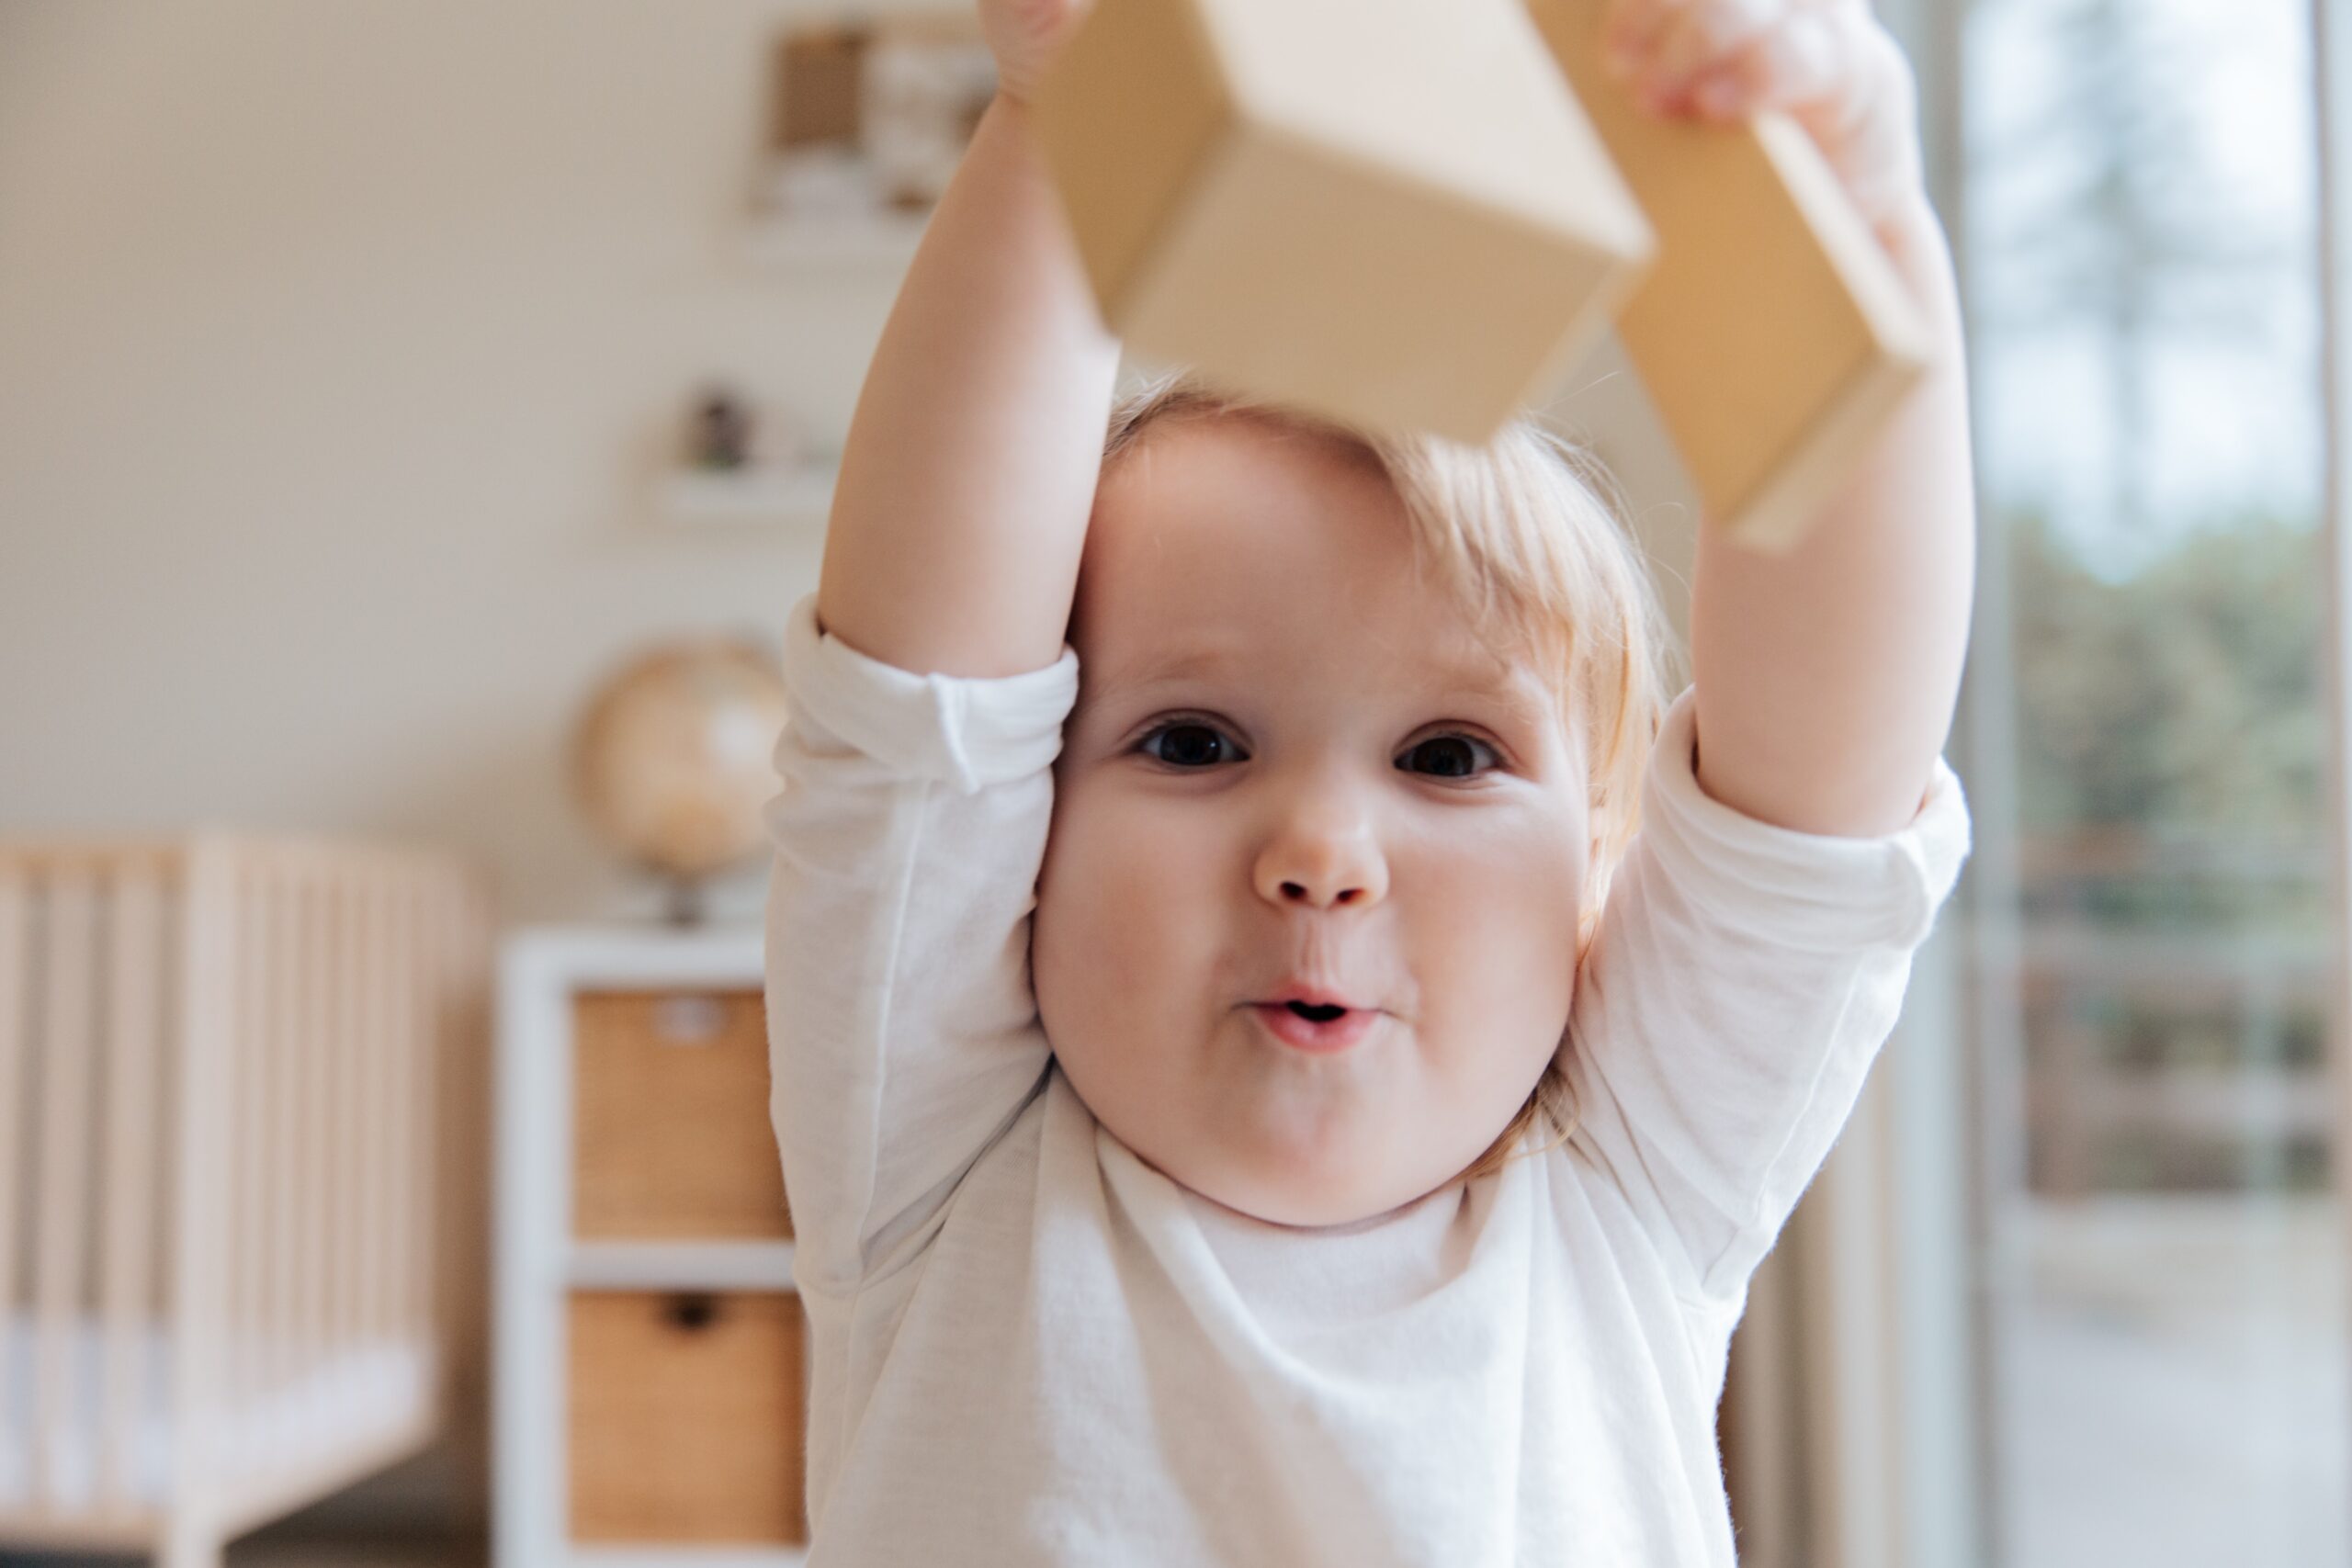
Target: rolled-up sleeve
1741, 982
902, 1030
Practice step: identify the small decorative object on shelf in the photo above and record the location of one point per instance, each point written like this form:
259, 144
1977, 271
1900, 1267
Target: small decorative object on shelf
869, 119
740, 466
671, 761
727, 433
722, 430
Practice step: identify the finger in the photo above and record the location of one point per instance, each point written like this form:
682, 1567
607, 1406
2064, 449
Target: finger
1633, 29
1804, 61
1855, 98
1872, 134
1704, 36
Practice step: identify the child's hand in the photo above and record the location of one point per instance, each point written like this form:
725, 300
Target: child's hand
1828, 63
1024, 34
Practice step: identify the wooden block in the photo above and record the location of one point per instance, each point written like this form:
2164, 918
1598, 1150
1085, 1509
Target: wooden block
1390, 211
1773, 334
686, 1415
670, 1137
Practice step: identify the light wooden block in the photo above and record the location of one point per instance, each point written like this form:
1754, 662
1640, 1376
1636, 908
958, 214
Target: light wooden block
687, 1417
1389, 211
1773, 334
670, 1137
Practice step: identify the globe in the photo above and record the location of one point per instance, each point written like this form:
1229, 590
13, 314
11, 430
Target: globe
672, 759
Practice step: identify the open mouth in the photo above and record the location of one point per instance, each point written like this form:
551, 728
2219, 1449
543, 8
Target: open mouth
1317, 1027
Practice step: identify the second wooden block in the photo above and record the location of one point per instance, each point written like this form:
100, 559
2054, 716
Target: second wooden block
1773, 336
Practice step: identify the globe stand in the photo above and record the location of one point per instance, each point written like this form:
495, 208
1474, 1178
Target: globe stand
684, 904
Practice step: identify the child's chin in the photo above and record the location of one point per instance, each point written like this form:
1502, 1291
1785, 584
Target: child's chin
1299, 1201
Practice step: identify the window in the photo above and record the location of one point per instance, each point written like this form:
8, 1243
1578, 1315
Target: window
2153, 940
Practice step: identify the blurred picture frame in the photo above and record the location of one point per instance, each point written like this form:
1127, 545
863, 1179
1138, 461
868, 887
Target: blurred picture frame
868, 116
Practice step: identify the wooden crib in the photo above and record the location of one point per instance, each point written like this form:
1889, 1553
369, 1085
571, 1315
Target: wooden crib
225, 1066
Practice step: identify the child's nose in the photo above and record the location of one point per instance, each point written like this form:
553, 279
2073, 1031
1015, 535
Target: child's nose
1323, 866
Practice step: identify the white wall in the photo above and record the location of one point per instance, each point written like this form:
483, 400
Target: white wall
337, 344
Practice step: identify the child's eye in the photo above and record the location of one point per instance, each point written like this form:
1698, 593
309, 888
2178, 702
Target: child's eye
1450, 756
1193, 744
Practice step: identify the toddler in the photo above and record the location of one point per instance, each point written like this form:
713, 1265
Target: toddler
1290, 1039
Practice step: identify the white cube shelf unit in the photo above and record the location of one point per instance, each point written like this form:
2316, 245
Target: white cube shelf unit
651, 1354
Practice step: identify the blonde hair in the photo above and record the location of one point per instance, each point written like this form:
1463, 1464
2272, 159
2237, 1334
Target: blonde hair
1518, 531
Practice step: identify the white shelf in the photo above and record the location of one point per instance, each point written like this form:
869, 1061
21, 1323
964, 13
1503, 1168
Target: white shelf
547, 961
681, 1265
542, 972
732, 499
688, 1556
880, 240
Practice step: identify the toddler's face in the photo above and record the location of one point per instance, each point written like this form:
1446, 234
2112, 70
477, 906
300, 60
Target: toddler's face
1292, 763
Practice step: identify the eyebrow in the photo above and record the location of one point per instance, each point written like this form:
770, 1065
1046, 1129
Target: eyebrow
1178, 666
1522, 698
1499, 684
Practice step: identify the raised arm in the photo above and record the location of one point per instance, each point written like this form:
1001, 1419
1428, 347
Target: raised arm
969, 470
903, 1036
1827, 677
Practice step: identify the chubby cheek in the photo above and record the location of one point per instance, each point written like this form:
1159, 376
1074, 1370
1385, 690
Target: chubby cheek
1493, 942
1125, 925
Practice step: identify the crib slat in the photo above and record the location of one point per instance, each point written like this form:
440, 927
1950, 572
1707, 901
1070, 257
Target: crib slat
128, 1187
473, 1320
350, 1114
246, 1211
318, 1125
16, 895
310, 1243
57, 1190
461, 1212
375, 969
367, 944
399, 1120
201, 1225
425, 1169
310, 1150
230, 916
383, 1042
416, 1045
281, 1244
335, 1229
400, 1234
392, 998
368, 1134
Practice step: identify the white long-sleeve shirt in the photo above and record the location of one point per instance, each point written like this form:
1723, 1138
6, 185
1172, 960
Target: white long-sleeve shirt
1028, 1347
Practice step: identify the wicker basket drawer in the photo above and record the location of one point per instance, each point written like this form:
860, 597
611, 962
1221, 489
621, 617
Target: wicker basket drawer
687, 1412
670, 1137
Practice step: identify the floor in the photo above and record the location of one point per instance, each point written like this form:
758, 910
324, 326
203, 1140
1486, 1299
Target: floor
307, 1548
2176, 1390
314, 1550
311, 1550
